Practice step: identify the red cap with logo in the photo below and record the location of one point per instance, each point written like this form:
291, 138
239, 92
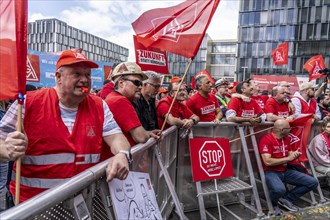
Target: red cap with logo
162, 90
175, 79
69, 57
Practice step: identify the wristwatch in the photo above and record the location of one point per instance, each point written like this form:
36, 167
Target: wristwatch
194, 121
128, 155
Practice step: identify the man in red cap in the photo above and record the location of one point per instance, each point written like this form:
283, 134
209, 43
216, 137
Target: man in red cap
64, 128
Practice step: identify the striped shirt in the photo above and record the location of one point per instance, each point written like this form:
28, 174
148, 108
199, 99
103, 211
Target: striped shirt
68, 115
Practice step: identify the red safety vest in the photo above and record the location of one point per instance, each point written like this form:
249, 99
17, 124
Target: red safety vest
307, 109
53, 154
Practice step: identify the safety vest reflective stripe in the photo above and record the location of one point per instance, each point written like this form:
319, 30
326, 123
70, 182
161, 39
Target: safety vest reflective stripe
88, 158
48, 159
37, 182
51, 159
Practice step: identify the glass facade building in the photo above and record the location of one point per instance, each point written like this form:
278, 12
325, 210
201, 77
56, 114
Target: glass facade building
221, 58
53, 35
263, 24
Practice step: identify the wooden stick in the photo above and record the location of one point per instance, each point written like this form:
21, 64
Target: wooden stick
176, 94
251, 134
18, 162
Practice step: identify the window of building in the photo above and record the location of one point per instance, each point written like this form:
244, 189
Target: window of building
249, 49
245, 18
251, 18
262, 34
324, 31
244, 34
263, 17
317, 31
290, 16
282, 33
304, 15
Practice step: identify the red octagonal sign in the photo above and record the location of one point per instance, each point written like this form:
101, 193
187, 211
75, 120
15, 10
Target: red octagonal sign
212, 158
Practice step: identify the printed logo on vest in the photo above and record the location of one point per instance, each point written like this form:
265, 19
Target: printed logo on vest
90, 131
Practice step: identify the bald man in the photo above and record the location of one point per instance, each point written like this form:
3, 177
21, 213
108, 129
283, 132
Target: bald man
276, 153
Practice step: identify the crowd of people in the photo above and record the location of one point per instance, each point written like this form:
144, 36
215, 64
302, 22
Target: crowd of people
66, 129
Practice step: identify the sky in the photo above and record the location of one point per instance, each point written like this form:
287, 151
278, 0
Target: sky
111, 19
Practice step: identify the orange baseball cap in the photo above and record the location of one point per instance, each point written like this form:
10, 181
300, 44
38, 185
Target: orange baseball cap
69, 57
162, 90
175, 79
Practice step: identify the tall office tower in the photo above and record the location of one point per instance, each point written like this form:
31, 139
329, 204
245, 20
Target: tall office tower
53, 35
263, 24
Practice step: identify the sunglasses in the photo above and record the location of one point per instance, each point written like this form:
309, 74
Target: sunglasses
136, 82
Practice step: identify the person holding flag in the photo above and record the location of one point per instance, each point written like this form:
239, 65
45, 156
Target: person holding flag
276, 152
63, 132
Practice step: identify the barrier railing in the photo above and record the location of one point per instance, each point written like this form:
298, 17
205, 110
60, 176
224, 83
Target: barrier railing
57, 203
168, 163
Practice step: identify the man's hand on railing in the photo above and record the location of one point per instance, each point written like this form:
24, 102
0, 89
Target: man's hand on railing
155, 134
117, 167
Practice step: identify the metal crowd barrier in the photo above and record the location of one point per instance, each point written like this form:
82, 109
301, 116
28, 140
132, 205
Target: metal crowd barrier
57, 203
168, 163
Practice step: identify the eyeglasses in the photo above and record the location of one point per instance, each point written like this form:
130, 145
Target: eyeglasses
136, 82
153, 85
286, 129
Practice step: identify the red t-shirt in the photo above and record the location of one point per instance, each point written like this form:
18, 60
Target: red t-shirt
244, 109
261, 100
282, 110
277, 148
124, 113
106, 90
179, 110
204, 108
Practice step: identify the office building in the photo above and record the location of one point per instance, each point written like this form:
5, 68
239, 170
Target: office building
221, 58
53, 35
263, 24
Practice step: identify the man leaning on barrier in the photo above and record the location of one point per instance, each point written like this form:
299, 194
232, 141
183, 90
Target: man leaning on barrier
276, 153
240, 111
64, 128
180, 114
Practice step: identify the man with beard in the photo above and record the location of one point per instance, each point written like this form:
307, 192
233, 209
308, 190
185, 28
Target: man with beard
204, 104
180, 114
145, 106
324, 102
128, 78
276, 106
276, 153
304, 101
240, 111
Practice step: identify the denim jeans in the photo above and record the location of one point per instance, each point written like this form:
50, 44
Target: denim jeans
276, 184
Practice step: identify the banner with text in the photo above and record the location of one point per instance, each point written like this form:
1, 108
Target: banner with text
150, 58
266, 82
210, 158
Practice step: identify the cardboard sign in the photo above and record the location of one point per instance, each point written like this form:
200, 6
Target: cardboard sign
134, 197
210, 158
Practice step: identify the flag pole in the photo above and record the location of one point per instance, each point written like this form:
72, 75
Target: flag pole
18, 162
176, 94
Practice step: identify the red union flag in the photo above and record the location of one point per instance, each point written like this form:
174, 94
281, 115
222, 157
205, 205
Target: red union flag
203, 72
210, 158
313, 66
178, 29
280, 54
299, 134
33, 68
13, 48
150, 58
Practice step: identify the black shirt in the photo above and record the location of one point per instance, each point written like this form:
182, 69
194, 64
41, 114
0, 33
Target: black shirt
146, 112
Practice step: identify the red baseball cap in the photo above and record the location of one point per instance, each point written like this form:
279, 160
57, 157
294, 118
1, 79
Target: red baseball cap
69, 57
175, 79
162, 90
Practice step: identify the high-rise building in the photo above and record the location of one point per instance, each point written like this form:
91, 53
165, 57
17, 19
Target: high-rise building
53, 35
263, 24
221, 58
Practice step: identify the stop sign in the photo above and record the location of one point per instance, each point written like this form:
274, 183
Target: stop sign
212, 158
